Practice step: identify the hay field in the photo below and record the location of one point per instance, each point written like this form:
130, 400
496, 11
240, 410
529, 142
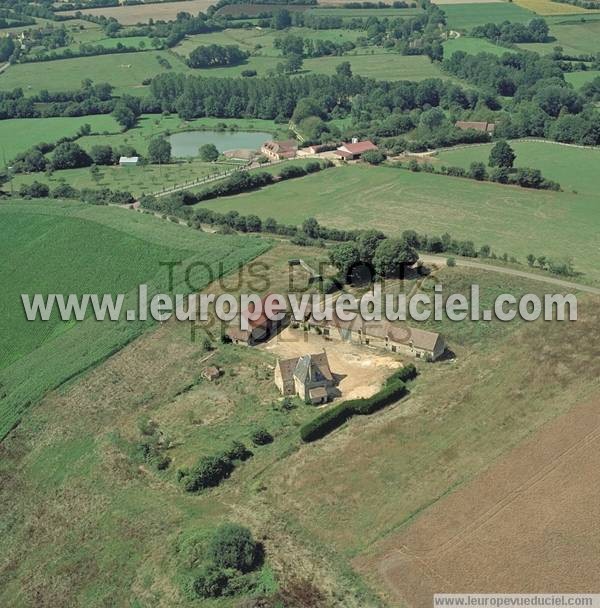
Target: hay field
465, 17
526, 525
547, 7
508, 218
141, 13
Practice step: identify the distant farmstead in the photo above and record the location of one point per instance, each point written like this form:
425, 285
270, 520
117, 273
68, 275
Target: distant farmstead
308, 376
280, 150
483, 127
129, 161
355, 150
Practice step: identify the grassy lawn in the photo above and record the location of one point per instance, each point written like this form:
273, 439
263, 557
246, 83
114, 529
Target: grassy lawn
472, 46
465, 17
352, 13
574, 36
17, 135
125, 71
509, 219
128, 248
573, 168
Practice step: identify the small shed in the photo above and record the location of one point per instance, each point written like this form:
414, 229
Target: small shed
129, 161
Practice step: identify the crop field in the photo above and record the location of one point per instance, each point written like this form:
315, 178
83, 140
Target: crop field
465, 17
472, 46
18, 135
547, 7
252, 10
512, 505
508, 218
572, 167
351, 13
130, 15
42, 236
125, 71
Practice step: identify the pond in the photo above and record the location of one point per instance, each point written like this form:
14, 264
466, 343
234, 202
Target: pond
186, 144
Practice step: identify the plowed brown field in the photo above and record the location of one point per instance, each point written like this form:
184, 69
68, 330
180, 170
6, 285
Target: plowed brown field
528, 524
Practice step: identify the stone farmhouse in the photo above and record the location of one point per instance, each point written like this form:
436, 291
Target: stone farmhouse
308, 376
419, 343
280, 150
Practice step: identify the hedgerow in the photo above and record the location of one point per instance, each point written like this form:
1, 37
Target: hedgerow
334, 417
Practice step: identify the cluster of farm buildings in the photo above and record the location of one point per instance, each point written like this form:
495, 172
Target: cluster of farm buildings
283, 150
309, 376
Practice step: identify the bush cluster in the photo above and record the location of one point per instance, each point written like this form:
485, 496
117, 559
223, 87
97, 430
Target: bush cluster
210, 471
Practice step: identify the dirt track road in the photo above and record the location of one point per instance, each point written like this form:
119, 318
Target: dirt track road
433, 259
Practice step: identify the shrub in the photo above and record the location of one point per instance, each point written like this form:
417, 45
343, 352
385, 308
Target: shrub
451, 262
405, 373
233, 546
209, 472
373, 157
291, 172
34, 190
261, 437
313, 166
238, 451
210, 582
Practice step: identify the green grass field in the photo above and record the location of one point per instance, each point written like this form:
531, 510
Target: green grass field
465, 17
17, 135
143, 179
472, 46
50, 245
576, 37
508, 218
248, 39
574, 168
352, 13
578, 79
125, 71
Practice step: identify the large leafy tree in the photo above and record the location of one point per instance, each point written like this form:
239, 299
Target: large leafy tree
159, 150
392, 256
502, 155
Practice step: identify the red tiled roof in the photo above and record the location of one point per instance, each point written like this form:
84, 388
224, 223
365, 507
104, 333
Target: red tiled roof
359, 147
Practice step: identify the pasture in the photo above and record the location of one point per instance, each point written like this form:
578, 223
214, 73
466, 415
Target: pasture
575, 37
574, 168
125, 71
472, 46
81, 443
51, 242
578, 79
17, 135
508, 218
464, 17
141, 13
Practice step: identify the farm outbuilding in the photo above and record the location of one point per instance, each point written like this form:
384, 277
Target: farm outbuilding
129, 161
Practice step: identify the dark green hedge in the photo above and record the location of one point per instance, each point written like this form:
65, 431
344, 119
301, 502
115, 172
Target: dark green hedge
334, 417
